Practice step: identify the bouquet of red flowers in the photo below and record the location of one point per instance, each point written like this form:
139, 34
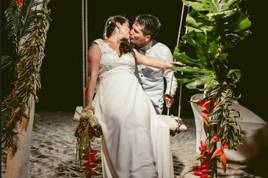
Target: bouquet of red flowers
86, 131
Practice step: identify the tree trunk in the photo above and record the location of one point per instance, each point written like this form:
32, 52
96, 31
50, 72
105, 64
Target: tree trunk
17, 165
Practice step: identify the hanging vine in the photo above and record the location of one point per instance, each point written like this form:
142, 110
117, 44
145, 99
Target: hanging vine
27, 23
213, 27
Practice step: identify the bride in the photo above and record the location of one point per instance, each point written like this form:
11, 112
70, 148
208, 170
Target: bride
135, 141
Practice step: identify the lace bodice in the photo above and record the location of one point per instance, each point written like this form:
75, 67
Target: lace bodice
111, 62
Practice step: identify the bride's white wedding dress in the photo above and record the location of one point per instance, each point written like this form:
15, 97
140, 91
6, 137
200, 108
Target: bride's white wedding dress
135, 141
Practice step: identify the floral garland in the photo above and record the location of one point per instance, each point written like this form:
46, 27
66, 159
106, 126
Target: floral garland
221, 129
27, 27
87, 130
208, 151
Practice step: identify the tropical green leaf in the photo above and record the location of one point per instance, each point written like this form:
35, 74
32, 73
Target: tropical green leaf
200, 5
188, 69
244, 24
222, 57
234, 74
184, 58
206, 28
193, 29
194, 71
184, 80
231, 40
221, 14
197, 82
192, 21
228, 4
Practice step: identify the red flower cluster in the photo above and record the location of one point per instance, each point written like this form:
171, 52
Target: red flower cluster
19, 3
90, 158
207, 154
204, 169
206, 106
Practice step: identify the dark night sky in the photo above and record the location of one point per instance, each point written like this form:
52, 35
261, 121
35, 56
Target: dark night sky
62, 67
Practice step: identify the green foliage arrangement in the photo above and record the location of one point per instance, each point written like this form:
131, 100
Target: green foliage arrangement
213, 28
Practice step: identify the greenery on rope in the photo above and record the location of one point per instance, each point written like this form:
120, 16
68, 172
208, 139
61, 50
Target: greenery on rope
27, 23
213, 27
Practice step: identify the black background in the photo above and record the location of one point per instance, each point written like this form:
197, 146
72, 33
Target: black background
61, 74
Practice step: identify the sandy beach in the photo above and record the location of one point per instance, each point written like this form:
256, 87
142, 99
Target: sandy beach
53, 152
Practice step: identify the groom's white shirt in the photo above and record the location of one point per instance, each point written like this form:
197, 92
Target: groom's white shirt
152, 79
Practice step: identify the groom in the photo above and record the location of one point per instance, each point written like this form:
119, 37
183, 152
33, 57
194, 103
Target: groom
143, 33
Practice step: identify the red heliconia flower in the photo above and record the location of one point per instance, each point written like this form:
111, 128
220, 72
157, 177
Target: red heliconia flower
91, 132
200, 174
205, 107
90, 159
93, 154
93, 151
224, 145
196, 167
204, 118
19, 3
202, 170
200, 167
89, 164
205, 104
214, 139
202, 147
197, 173
223, 161
205, 171
204, 176
204, 166
219, 152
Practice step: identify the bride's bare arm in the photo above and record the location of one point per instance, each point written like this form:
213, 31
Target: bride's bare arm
94, 55
151, 61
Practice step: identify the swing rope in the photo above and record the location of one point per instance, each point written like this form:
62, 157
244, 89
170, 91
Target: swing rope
177, 46
84, 47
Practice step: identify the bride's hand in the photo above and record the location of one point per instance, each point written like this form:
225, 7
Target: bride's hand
89, 108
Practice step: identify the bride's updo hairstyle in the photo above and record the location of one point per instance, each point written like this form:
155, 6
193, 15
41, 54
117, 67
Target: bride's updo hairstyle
110, 25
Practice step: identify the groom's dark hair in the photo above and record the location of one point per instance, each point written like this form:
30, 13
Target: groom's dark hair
151, 24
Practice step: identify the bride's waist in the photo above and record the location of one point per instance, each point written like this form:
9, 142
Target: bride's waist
116, 72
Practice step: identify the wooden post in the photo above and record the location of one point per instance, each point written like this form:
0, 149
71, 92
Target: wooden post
17, 165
